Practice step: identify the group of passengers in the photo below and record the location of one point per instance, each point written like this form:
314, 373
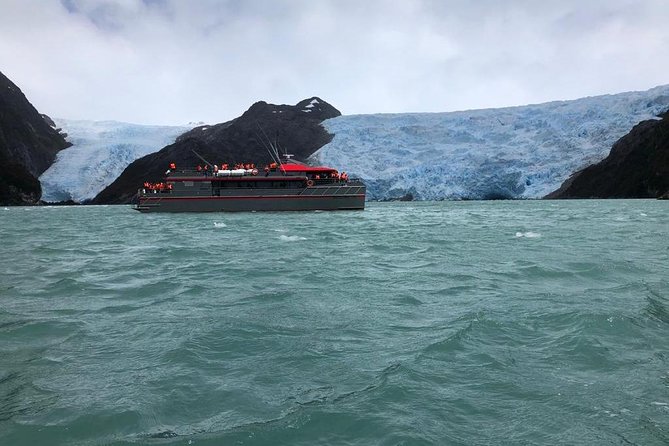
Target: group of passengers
334, 175
157, 187
204, 169
225, 166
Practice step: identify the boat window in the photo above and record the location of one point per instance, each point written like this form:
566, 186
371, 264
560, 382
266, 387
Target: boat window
188, 183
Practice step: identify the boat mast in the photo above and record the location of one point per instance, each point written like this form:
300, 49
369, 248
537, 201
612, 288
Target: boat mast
198, 155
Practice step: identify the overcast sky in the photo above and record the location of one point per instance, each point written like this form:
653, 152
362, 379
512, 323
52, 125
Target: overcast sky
175, 61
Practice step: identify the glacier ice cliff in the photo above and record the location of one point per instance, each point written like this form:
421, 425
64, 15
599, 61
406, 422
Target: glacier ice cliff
516, 152
100, 151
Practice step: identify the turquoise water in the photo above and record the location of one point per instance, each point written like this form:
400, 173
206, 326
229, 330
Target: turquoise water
472, 323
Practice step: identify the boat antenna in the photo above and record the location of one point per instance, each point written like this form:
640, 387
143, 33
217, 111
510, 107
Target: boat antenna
269, 152
198, 155
276, 151
272, 152
287, 156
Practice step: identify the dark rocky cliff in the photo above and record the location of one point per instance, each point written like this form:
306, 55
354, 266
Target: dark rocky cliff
28, 146
637, 167
295, 128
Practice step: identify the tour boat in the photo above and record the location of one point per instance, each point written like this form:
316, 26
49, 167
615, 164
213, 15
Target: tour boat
288, 185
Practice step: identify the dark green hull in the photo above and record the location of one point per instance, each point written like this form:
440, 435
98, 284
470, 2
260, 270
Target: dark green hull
348, 196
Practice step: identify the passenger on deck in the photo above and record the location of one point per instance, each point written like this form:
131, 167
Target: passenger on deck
198, 168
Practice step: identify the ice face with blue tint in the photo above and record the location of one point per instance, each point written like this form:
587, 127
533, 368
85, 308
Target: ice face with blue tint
100, 151
517, 152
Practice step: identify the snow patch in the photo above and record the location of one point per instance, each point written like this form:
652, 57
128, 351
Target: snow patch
310, 105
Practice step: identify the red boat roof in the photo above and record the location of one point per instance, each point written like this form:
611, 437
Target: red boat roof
305, 168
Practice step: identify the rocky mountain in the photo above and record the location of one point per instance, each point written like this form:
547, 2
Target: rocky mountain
294, 128
28, 146
637, 167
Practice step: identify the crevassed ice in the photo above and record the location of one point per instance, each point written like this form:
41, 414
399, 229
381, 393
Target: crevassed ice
100, 151
516, 152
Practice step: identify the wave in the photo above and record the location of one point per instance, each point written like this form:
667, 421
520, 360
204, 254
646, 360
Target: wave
657, 307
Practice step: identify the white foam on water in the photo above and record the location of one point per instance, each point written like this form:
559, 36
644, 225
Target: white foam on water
218, 224
643, 214
291, 238
657, 403
280, 230
6, 209
528, 234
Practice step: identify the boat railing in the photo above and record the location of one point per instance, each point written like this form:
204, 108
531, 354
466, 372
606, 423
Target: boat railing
144, 192
189, 172
327, 181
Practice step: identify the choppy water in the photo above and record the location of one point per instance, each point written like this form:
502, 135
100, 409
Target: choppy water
537, 322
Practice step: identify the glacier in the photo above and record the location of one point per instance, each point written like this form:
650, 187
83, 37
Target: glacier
100, 151
505, 153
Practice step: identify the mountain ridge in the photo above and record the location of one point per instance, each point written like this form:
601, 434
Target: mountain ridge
636, 167
505, 153
243, 139
28, 146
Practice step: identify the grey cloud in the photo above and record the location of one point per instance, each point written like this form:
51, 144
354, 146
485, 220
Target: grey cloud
173, 61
